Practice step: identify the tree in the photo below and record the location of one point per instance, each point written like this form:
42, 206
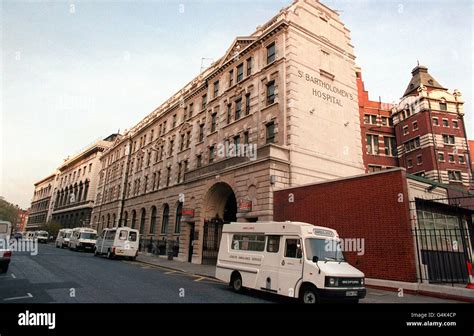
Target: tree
8, 211
52, 227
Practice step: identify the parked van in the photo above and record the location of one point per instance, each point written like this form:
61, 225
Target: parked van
82, 239
292, 259
63, 238
42, 236
118, 242
5, 252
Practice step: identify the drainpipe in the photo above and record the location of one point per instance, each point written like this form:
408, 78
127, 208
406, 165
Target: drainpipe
127, 166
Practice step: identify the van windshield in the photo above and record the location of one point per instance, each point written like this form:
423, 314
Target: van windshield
325, 249
88, 235
3, 228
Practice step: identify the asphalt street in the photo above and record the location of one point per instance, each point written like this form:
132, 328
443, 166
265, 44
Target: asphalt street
63, 276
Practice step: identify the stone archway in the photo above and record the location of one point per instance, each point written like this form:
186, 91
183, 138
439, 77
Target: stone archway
220, 206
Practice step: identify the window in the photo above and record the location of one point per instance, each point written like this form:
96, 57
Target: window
211, 154
247, 104
216, 89
271, 93
237, 145
238, 109
293, 248
199, 161
180, 166
248, 242
441, 157
410, 163
390, 146
405, 130
201, 132
162, 149
273, 244
229, 113
142, 221
90, 167
412, 144
185, 114
165, 219
158, 179
461, 159
168, 176
249, 66
419, 160
370, 119
240, 72
270, 130
177, 224
188, 139
146, 184
213, 122
455, 124
183, 142
164, 127
190, 110
373, 168
153, 220
451, 158
170, 151
454, 175
448, 139
204, 101
372, 144
415, 125
231, 78
384, 121
445, 123
443, 106
435, 122
271, 53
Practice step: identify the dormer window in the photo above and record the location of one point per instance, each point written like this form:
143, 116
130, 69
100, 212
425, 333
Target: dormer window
443, 106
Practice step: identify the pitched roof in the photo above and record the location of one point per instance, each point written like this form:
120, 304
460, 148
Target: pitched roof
420, 76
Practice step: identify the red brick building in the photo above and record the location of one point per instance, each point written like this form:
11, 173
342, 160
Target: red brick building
471, 151
379, 148
430, 132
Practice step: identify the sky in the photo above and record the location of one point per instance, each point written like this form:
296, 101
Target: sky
76, 71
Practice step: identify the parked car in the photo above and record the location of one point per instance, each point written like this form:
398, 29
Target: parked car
42, 236
118, 242
5, 252
292, 259
63, 238
82, 239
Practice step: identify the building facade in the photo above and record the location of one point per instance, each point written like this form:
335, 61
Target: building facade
430, 131
22, 220
40, 210
377, 132
261, 118
76, 185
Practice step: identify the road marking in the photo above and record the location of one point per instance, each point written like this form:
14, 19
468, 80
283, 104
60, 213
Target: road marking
13, 276
172, 272
199, 279
28, 295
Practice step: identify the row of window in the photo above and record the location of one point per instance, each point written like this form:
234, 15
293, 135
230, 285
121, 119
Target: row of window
43, 205
43, 192
371, 119
451, 158
257, 243
412, 109
37, 219
372, 145
73, 176
72, 195
445, 122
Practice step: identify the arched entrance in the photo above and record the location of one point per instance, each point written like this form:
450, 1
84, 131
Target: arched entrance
220, 207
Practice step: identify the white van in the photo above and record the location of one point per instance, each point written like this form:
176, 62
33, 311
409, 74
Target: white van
293, 259
63, 238
29, 235
82, 239
42, 236
5, 252
118, 242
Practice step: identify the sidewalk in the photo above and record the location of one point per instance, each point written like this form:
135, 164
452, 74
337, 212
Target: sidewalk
162, 261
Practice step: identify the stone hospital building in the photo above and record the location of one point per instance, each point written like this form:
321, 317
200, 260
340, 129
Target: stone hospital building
279, 109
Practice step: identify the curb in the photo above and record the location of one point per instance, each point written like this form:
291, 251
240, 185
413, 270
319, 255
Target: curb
175, 269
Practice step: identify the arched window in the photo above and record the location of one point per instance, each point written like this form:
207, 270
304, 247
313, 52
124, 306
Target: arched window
134, 219
79, 197
142, 221
177, 224
86, 189
108, 220
153, 219
125, 218
113, 220
102, 225
165, 220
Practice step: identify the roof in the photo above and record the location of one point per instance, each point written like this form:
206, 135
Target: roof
437, 184
420, 76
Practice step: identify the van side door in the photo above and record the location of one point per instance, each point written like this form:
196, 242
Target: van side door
291, 265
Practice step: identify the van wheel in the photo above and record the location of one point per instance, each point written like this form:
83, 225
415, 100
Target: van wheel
4, 268
309, 295
110, 255
96, 254
236, 282
133, 258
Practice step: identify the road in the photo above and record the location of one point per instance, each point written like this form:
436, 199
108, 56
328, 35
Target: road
63, 276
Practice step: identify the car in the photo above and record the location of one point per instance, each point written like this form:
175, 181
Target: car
5, 252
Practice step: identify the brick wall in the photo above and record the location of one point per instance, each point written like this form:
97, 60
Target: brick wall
361, 207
